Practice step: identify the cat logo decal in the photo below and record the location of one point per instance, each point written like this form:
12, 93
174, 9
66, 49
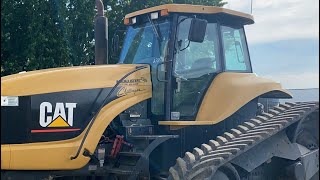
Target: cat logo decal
58, 116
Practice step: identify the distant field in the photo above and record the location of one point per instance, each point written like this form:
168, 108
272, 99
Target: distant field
300, 95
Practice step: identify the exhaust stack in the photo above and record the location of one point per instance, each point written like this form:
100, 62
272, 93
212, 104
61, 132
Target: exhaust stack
101, 35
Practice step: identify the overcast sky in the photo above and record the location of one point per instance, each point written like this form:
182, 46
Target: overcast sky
284, 41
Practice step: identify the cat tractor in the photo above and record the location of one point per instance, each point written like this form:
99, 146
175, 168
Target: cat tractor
182, 103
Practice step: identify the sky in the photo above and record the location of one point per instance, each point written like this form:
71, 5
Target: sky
284, 41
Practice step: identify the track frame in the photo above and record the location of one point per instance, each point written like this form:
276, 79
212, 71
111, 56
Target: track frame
204, 161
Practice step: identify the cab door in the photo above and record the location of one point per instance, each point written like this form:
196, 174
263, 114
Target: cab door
195, 66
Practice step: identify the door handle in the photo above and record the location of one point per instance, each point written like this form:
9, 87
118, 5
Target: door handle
178, 80
157, 71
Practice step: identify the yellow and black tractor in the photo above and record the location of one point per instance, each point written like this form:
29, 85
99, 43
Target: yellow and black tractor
182, 103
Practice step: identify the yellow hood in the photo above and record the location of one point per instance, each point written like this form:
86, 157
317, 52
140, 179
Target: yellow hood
67, 79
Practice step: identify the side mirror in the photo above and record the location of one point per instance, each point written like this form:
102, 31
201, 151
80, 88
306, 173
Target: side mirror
115, 45
197, 30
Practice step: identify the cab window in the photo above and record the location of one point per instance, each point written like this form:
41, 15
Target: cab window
235, 49
194, 59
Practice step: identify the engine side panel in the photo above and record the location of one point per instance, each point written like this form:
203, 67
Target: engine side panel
51, 116
40, 152
55, 155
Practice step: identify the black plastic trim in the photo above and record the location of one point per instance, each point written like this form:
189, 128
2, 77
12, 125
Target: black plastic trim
169, 67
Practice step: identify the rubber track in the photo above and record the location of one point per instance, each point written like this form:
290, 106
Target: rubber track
204, 161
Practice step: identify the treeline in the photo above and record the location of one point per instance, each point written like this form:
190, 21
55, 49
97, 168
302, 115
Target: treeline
40, 34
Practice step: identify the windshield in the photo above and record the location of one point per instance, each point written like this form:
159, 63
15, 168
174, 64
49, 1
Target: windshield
145, 44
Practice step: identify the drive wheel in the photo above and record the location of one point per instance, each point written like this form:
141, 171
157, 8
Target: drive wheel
226, 172
307, 132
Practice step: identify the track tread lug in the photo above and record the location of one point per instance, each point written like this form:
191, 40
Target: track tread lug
197, 153
276, 126
303, 108
240, 146
282, 122
256, 133
247, 141
206, 148
232, 150
249, 125
189, 158
214, 144
182, 166
278, 108
174, 175
285, 106
228, 136
261, 130
214, 161
253, 137
224, 155
255, 121
221, 140
204, 164
236, 132
267, 115
262, 118
291, 103
242, 128
273, 112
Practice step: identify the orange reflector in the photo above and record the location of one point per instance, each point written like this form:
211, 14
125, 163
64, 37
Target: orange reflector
126, 21
164, 12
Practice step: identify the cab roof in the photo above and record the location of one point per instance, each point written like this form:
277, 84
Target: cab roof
194, 9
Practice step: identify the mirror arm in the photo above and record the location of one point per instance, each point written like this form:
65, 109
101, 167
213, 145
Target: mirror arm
186, 46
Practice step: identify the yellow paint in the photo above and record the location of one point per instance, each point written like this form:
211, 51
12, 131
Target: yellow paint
59, 122
187, 8
55, 155
67, 79
227, 93
5, 156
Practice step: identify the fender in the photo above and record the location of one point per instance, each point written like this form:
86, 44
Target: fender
228, 92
